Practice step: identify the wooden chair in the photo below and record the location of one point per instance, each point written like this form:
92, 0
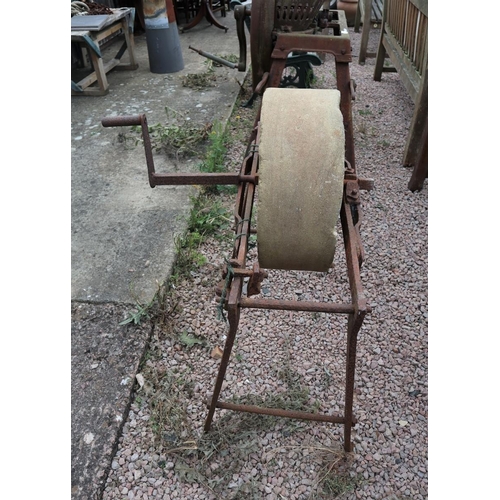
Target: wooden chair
403, 38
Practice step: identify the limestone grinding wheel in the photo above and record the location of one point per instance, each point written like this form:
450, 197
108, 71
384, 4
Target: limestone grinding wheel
301, 178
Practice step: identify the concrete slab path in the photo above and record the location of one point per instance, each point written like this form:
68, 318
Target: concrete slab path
123, 236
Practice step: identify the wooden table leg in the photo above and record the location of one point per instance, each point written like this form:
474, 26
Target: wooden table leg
130, 45
100, 74
204, 12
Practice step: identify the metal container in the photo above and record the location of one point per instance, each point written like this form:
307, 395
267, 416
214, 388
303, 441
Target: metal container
162, 37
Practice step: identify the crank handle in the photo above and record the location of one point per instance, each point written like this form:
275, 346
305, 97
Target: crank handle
123, 121
129, 121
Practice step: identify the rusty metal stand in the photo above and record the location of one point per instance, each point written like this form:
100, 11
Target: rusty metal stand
337, 43
333, 39
235, 301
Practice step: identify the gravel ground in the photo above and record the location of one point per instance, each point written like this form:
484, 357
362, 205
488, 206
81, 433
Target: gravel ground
298, 358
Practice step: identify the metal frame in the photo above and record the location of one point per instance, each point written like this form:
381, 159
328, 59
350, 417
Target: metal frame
334, 40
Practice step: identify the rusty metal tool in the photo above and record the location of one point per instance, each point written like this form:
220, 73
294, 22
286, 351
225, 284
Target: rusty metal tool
233, 298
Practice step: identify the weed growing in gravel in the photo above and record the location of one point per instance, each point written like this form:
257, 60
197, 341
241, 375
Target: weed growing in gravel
312, 80
362, 128
334, 478
242, 118
234, 436
146, 311
142, 312
207, 217
382, 207
189, 340
295, 397
188, 257
335, 485
248, 491
214, 157
214, 161
167, 392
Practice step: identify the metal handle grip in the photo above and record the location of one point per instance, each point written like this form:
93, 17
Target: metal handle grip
123, 121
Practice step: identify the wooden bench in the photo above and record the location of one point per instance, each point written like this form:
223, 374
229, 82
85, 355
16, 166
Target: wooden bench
122, 20
403, 38
369, 13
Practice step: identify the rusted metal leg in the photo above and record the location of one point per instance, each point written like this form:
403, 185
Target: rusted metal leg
233, 314
350, 216
277, 68
353, 325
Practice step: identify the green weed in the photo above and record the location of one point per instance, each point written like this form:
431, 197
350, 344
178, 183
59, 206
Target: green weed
188, 258
145, 311
334, 485
214, 157
207, 216
200, 81
176, 138
189, 340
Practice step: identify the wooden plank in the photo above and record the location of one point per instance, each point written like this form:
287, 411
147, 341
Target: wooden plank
98, 75
108, 31
91, 91
422, 6
77, 36
417, 126
375, 8
377, 11
408, 73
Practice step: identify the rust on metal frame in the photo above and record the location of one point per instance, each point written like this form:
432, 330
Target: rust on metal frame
247, 180
350, 216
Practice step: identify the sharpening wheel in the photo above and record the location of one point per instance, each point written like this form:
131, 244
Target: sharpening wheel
301, 178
